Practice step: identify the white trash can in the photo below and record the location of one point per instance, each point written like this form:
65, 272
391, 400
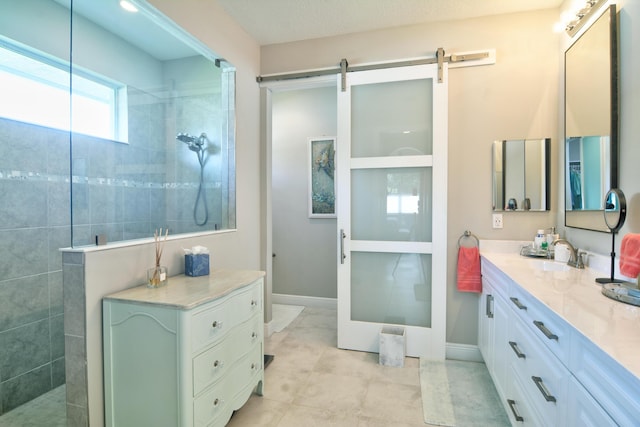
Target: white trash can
392, 346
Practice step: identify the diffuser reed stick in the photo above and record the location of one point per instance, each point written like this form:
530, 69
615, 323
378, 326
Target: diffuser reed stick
157, 276
159, 244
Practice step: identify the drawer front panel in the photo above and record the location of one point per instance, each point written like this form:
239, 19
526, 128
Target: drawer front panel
614, 387
212, 404
246, 304
584, 411
211, 365
209, 326
496, 278
553, 332
246, 336
243, 371
518, 407
544, 379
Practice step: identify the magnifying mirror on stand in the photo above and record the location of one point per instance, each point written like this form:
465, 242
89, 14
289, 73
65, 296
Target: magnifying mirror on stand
615, 212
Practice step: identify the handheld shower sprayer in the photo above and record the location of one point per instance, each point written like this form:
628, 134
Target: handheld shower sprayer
195, 144
198, 146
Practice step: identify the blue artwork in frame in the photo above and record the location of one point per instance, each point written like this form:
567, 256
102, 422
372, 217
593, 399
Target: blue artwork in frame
322, 180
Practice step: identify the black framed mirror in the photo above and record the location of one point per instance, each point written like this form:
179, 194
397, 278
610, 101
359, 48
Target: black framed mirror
591, 122
520, 169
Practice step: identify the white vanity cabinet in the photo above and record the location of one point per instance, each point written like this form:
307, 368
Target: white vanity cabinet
187, 354
555, 376
492, 332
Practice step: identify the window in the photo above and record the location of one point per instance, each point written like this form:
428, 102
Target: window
35, 89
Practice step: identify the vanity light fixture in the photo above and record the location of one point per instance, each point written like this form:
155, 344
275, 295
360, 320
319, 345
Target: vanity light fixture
582, 16
128, 6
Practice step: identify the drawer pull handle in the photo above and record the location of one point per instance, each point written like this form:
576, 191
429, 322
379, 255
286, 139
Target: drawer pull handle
518, 304
516, 350
512, 406
254, 335
253, 366
547, 333
216, 324
217, 364
254, 303
217, 401
545, 393
488, 311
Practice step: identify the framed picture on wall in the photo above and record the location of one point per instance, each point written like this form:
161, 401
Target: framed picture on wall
322, 180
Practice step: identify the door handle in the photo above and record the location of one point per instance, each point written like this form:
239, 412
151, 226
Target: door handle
342, 255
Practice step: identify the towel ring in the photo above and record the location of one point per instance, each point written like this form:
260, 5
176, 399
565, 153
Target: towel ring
468, 235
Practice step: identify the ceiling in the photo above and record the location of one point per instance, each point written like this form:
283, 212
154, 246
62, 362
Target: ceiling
281, 21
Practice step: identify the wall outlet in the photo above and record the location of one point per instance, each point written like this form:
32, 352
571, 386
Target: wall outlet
497, 220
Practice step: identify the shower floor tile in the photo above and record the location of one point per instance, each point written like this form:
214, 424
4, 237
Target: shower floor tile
47, 410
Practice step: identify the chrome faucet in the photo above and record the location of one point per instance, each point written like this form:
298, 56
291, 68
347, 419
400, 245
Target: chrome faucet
575, 259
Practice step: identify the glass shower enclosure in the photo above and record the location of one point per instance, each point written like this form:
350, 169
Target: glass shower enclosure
113, 124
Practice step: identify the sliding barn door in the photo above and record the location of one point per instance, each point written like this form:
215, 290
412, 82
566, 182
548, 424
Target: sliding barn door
392, 208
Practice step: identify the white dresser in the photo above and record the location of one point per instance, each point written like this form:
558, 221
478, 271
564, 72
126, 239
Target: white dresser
187, 354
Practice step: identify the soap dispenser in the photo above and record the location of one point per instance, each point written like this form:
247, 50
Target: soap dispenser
552, 236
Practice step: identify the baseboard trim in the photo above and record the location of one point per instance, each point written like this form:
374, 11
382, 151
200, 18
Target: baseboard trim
465, 352
454, 351
319, 302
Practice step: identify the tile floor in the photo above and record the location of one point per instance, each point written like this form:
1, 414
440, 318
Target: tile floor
47, 410
309, 383
312, 383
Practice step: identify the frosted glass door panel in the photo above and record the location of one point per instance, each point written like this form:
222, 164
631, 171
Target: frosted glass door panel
391, 288
391, 204
392, 119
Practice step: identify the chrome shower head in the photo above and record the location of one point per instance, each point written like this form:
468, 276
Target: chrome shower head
186, 138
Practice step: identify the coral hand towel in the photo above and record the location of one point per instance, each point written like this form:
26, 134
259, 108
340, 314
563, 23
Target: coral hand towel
469, 277
630, 255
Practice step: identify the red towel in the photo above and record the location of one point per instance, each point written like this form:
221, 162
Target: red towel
630, 255
469, 277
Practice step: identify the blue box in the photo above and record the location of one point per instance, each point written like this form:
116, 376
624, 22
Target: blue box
196, 265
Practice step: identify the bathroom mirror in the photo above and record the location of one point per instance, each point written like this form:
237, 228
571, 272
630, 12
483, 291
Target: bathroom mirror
521, 175
591, 123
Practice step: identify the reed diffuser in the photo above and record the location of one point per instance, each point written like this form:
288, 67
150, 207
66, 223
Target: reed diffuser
157, 276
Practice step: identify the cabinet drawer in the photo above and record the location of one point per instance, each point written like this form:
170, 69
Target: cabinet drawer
544, 379
583, 410
552, 330
210, 366
209, 325
247, 303
518, 407
213, 404
614, 387
243, 371
246, 336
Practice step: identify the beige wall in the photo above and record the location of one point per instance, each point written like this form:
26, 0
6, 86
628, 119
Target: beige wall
515, 98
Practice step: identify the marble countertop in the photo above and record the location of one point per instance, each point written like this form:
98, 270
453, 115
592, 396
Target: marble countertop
187, 292
575, 296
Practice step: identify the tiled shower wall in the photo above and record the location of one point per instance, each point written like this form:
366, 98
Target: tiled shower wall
34, 223
124, 191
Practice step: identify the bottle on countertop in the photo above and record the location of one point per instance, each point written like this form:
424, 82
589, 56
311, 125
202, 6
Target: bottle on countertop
539, 240
552, 236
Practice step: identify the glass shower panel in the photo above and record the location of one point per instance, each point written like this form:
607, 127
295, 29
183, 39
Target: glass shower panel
391, 204
402, 126
169, 161
391, 288
34, 201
